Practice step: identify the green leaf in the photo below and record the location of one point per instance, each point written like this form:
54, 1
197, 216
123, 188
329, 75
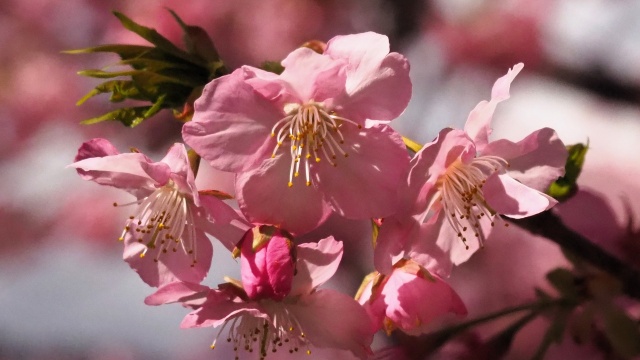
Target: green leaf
554, 333
565, 282
197, 41
566, 186
621, 331
152, 36
119, 89
129, 116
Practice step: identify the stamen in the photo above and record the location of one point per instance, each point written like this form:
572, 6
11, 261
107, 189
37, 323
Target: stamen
308, 127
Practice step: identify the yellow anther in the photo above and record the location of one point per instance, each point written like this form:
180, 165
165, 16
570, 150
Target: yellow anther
141, 255
308, 183
317, 159
290, 184
120, 238
296, 174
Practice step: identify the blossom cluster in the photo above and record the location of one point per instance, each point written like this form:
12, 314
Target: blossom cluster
310, 142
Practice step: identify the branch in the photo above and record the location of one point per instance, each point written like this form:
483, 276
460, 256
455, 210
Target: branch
550, 226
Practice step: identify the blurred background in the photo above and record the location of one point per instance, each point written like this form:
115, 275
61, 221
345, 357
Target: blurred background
65, 293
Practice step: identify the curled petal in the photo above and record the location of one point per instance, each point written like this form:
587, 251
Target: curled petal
183, 292
514, 199
536, 161
313, 76
478, 124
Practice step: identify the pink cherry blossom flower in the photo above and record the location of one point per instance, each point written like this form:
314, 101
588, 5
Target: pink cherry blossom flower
410, 299
461, 184
314, 121
164, 237
303, 319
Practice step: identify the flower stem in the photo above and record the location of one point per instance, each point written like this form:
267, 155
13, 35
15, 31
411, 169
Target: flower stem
550, 226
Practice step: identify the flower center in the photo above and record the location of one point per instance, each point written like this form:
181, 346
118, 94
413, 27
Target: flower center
163, 222
314, 132
252, 333
462, 198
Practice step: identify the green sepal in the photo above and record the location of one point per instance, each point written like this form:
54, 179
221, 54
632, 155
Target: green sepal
566, 186
272, 66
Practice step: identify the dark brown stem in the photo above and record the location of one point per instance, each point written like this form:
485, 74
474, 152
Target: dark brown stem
551, 227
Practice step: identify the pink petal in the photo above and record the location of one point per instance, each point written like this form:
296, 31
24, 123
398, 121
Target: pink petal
334, 320
265, 197
378, 84
478, 124
178, 161
217, 218
535, 161
413, 302
123, 171
317, 262
171, 266
377, 163
97, 147
395, 233
231, 127
313, 76
514, 199
177, 292
220, 308
431, 162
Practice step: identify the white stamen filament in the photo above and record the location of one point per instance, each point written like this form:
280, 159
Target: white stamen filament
313, 133
461, 196
163, 221
252, 333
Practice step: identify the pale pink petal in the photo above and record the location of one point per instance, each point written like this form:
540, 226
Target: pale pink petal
217, 218
265, 197
514, 199
231, 126
158, 171
413, 302
334, 320
436, 246
313, 76
377, 163
317, 262
178, 161
267, 272
478, 124
431, 162
378, 84
271, 86
171, 266
183, 292
536, 161
123, 171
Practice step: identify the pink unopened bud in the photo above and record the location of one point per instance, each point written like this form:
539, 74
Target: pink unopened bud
267, 263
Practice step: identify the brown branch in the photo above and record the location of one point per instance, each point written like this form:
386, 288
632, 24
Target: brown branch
551, 227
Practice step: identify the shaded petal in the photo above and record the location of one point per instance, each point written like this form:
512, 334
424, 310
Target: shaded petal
413, 302
317, 262
171, 266
377, 163
220, 308
514, 199
183, 292
97, 147
231, 126
536, 161
430, 163
178, 161
334, 320
217, 218
271, 86
265, 197
395, 233
478, 124
313, 76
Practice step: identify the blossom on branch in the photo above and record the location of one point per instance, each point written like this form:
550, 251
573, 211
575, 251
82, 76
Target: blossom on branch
461, 184
302, 319
313, 139
164, 236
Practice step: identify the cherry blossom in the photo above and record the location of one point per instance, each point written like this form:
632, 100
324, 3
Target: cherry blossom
461, 184
305, 318
164, 236
409, 299
304, 142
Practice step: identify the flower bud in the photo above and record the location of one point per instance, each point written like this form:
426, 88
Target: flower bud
267, 263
